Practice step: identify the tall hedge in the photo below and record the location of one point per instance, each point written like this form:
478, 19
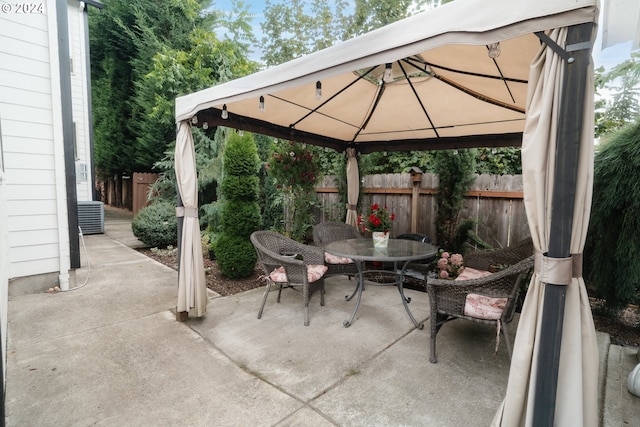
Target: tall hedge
240, 213
612, 251
455, 175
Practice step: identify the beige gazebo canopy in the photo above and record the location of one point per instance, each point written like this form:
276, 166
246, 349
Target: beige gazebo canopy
459, 92
470, 73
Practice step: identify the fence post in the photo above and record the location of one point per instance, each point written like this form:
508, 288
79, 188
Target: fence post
416, 180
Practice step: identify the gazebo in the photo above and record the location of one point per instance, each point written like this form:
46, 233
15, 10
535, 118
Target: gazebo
471, 73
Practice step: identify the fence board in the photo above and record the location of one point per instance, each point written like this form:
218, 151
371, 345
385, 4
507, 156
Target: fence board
494, 201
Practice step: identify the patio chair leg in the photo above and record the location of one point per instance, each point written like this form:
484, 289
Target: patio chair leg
436, 324
279, 293
306, 314
506, 338
264, 299
433, 358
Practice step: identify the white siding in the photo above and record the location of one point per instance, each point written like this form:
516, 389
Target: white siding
27, 105
4, 267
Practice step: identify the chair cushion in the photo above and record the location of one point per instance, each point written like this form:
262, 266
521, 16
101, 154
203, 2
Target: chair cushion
471, 273
483, 307
314, 272
335, 259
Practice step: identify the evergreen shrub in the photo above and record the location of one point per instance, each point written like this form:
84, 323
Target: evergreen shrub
240, 218
156, 225
612, 248
455, 175
240, 212
242, 187
235, 256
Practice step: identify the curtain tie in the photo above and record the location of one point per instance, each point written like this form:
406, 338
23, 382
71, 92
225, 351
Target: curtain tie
182, 211
558, 271
351, 207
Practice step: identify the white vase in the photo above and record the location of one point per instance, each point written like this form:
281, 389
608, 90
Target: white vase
380, 239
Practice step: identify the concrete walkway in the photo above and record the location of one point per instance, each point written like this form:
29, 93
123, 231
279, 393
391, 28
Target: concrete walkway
112, 353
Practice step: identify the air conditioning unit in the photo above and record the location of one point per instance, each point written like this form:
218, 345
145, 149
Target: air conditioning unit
91, 217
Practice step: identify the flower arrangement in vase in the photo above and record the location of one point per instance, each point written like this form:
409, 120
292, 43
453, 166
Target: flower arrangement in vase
449, 266
378, 221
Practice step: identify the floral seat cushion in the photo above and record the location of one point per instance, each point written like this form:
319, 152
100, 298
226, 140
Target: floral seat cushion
335, 259
471, 273
314, 272
484, 307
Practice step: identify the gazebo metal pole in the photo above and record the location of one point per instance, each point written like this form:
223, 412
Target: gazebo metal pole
181, 316
570, 121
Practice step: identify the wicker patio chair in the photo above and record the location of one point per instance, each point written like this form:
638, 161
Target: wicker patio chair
287, 263
327, 232
458, 299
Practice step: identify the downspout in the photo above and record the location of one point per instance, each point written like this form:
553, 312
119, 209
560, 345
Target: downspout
62, 224
69, 169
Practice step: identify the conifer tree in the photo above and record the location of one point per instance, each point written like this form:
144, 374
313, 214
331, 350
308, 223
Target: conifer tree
612, 248
240, 215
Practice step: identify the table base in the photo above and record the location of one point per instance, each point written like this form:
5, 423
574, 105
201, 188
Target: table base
398, 282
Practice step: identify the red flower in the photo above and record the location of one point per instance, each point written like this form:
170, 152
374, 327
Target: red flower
378, 219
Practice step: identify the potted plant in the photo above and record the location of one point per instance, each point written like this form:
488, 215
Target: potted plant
378, 222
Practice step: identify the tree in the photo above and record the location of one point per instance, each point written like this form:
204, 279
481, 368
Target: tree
612, 248
623, 82
499, 161
372, 14
272, 215
111, 75
240, 215
125, 36
144, 54
455, 175
295, 171
173, 73
294, 29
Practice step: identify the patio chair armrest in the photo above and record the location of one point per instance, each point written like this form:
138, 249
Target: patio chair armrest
505, 283
311, 254
482, 260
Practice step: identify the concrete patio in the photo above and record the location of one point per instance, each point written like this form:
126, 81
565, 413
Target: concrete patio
112, 353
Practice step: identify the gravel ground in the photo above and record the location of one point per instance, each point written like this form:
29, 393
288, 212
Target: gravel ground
215, 280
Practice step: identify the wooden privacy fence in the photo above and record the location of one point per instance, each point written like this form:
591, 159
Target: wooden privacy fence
141, 184
494, 201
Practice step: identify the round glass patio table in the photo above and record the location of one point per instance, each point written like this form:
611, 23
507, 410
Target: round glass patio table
398, 251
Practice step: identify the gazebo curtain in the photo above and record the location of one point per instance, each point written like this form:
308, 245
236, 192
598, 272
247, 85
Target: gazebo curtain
577, 395
192, 288
353, 187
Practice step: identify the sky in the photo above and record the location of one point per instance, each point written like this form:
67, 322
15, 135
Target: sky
608, 57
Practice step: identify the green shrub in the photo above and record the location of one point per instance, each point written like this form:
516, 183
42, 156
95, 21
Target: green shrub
240, 212
235, 256
156, 225
295, 169
612, 249
241, 156
211, 215
242, 187
455, 176
240, 218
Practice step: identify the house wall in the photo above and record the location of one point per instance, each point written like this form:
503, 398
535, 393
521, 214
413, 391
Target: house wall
31, 125
80, 99
4, 271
